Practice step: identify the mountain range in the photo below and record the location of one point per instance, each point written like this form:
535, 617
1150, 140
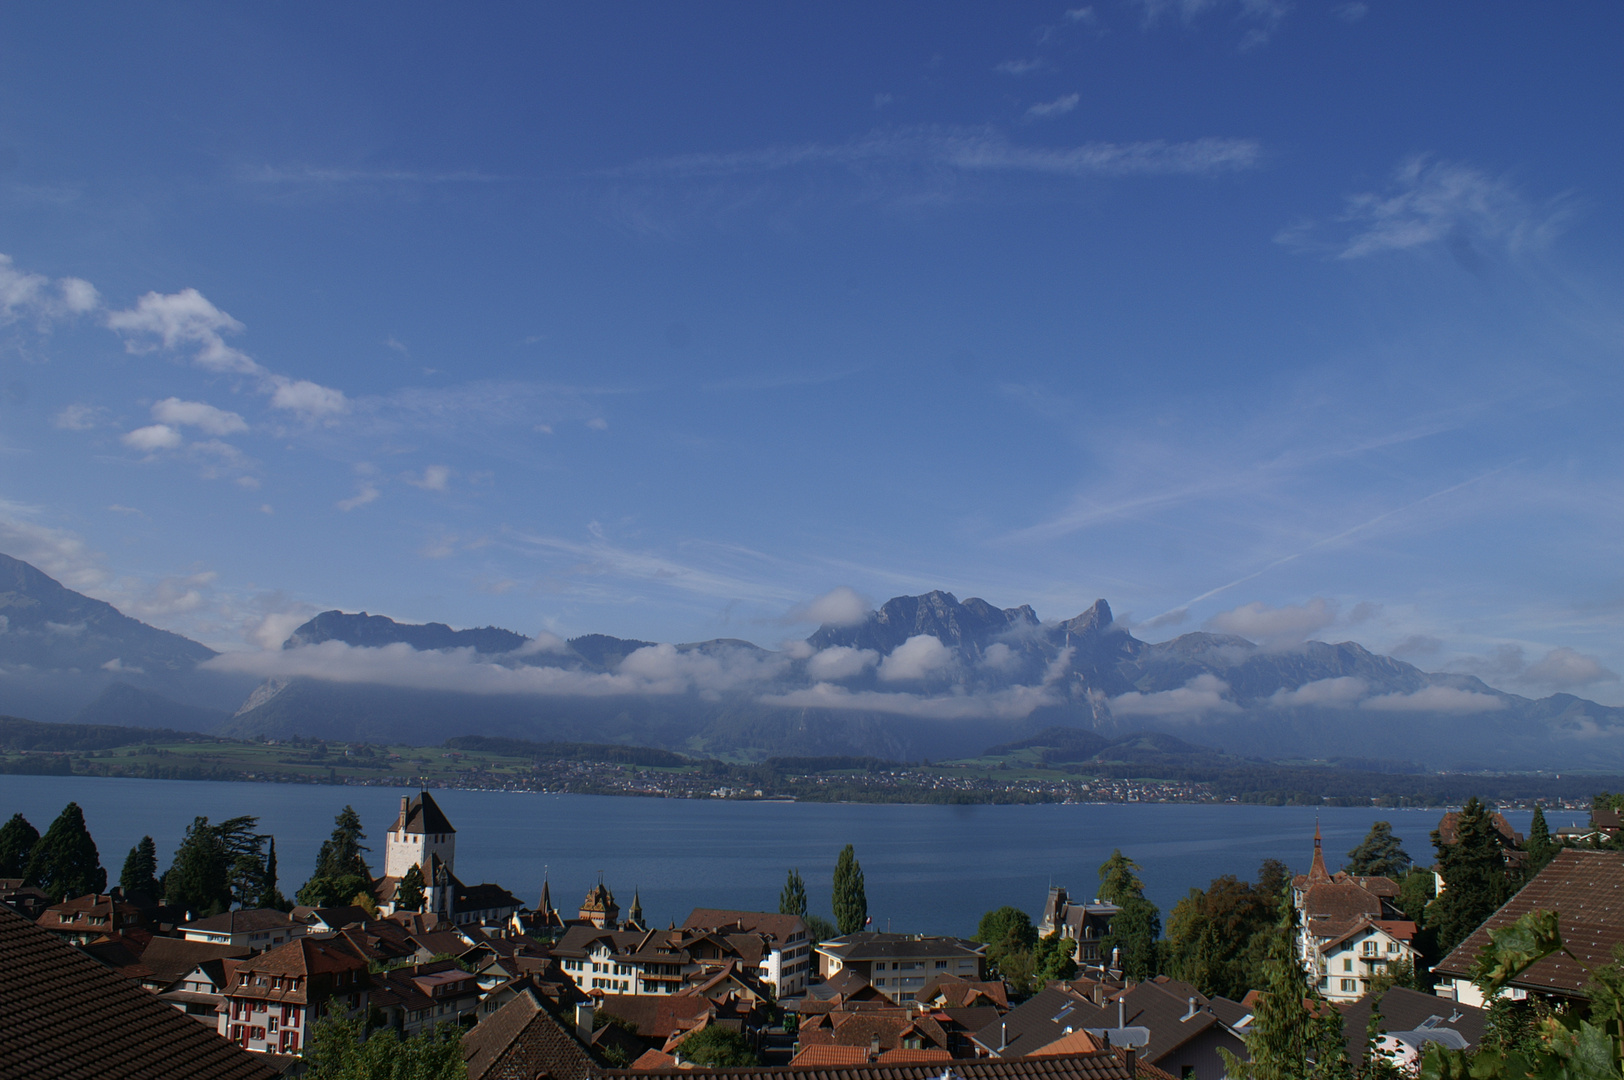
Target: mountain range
920, 677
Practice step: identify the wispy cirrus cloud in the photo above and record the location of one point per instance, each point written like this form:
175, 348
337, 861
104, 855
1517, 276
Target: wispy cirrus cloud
1259, 19
979, 150
1434, 204
1060, 106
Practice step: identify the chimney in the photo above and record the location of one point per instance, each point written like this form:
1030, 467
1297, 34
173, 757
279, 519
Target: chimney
1099, 995
1191, 1013
583, 1020
1131, 1060
874, 1046
1122, 1013
1003, 1035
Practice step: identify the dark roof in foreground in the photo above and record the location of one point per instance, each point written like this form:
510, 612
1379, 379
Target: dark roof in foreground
1104, 1065
65, 1016
1586, 890
1403, 1009
522, 1041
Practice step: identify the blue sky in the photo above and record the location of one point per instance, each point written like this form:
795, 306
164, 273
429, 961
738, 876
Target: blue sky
1287, 319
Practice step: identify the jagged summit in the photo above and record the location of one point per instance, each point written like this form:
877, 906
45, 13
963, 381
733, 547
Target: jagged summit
377, 630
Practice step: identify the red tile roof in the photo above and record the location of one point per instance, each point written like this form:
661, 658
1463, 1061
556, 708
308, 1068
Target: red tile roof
66, 1017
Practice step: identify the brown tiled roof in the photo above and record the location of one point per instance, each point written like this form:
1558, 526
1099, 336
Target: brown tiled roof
241, 922
779, 927
830, 1054
1586, 890
866, 944
120, 955
657, 1016
522, 1041
653, 1059
1106, 1065
1449, 828
66, 1017
960, 993
170, 959
1078, 1042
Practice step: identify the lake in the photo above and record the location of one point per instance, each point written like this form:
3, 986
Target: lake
928, 869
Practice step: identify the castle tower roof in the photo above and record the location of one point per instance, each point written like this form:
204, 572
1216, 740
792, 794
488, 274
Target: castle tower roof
1317, 872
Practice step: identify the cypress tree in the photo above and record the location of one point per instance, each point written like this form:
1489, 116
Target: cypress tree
17, 840
850, 901
270, 896
65, 863
1541, 848
140, 874
792, 901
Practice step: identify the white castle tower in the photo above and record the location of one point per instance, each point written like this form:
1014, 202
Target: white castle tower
420, 836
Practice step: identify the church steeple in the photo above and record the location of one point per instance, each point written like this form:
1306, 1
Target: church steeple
1317, 871
634, 917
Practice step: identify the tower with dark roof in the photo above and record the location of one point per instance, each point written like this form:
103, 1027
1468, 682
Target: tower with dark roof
421, 834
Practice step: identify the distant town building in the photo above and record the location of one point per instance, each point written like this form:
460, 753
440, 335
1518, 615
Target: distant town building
422, 836
1084, 923
901, 964
1350, 929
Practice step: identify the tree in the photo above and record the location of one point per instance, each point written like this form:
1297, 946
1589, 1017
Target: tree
717, 1047
792, 901
341, 871
1474, 873
64, 862
17, 840
1541, 848
269, 895
819, 929
1218, 939
409, 891
1052, 958
198, 879
342, 1048
1136, 926
1294, 1034
140, 874
850, 901
1379, 854
1005, 930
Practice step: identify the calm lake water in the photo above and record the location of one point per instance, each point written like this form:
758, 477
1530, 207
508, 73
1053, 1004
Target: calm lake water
929, 869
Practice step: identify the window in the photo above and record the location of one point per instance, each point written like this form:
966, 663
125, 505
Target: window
1350, 985
940, 964
1347, 964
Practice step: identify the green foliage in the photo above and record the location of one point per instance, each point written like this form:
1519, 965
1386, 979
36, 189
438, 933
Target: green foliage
409, 890
1005, 930
1052, 959
1398, 973
818, 928
17, 840
850, 901
333, 891
1415, 892
64, 862
792, 900
140, 873
1218, 940
1379, 854
216, 866
1295, 1034
341, 1048
341, 854
1119, 879
1474, 873
1541, 848
269, 895
454, 958
718, 1048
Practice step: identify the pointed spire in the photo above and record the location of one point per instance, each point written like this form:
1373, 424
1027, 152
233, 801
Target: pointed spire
1317, 871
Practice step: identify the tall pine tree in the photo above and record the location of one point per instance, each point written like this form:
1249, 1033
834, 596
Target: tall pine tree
1474, 873
140, 874
792, 901
64, 863
341, 869
1379, 854
17, 840
850, 901
1541, 848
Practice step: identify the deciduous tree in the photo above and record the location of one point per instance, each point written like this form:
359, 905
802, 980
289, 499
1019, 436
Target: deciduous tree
409, 891
717, 1047
850, 901
1218, 939
64, 862
1137, 925
342, 1048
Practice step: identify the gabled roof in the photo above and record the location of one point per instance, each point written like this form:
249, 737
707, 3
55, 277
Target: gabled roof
1403, 1009
309, 955
1449, 828
1586, 890
522, 1041
778, 927
866, 945
1105, 1065
69, 1018
172, 959
423, 815
249, 921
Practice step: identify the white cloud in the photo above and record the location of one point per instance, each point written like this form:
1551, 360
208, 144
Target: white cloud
180, 319
1440, 699
1020, 67
1275, 627
1436, 204
1334, 693
920, 657
840, 606
1060, 106
153, 437
1000, 657
434, 478
598, 423
207, 418
57, 552
1012, 703
1260, 17
1564, 668
1202, 694
175, 595
840, 662
80, 417
23, 293
310, 400
117, 665
368, 493
1084, 15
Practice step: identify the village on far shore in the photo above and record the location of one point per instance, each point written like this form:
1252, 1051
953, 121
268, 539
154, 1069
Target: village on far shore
1089, 989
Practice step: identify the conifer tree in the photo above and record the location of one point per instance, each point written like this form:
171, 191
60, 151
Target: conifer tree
270, 896
197, 878
1379, 854
140, 874
1541, 848
1294, 1034
65, 863
792, 901
1137, 925
850, 901
17, 840
341, 870
1474, 873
